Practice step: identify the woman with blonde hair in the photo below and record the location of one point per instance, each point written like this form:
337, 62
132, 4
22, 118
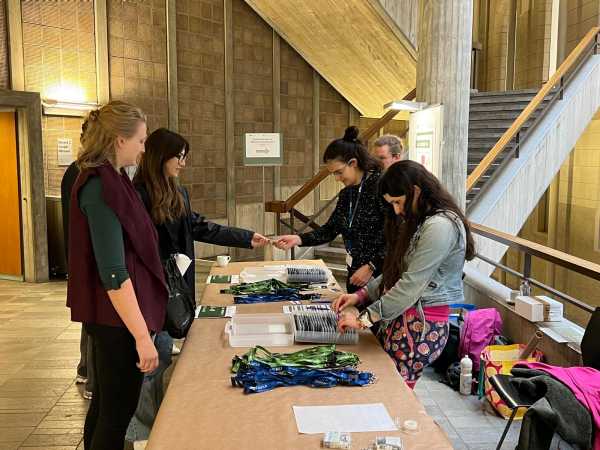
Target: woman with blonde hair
116, 282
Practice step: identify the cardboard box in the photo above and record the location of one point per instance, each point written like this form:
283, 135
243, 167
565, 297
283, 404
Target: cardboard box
529, 308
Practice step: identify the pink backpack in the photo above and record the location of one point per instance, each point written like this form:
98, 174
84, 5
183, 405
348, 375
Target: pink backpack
478, 331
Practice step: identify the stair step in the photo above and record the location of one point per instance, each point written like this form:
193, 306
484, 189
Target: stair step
501, 93
333, 255
495, 124
485, 145
487, 107
526, 98
338, 243
497, 115
329, 250
338, 269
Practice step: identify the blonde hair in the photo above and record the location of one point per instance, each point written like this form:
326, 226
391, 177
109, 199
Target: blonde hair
101, 129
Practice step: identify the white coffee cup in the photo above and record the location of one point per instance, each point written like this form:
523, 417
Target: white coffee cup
223, 260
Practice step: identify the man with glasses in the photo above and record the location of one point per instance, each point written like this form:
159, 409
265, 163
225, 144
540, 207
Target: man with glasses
388, 150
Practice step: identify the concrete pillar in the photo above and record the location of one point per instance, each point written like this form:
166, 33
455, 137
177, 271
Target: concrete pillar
443, 76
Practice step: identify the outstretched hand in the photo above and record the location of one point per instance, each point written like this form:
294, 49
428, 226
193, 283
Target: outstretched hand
258, 240
288, 241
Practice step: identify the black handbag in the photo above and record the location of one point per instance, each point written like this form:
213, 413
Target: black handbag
181, 307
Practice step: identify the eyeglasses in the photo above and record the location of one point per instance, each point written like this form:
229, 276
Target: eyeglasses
340, 171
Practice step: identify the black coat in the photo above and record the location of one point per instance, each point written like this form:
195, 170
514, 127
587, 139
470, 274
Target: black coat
66, 186
178, 236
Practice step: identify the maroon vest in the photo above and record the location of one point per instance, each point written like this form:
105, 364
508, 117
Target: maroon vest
86, 296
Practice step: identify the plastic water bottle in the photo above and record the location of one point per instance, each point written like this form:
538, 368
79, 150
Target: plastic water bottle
466, 376
525, 288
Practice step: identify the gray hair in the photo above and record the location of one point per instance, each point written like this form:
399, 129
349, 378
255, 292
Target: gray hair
391, 140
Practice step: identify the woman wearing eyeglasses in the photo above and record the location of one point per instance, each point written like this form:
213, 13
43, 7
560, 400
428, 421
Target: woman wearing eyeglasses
358, 215
178, 227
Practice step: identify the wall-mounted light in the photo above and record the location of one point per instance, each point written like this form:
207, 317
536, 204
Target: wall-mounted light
70, 109
405, 105
66, 100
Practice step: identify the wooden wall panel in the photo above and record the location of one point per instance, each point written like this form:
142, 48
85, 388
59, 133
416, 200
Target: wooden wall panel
4, 72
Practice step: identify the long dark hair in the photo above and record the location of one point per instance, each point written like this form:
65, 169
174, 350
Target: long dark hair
166, 199
350, 147
400, 179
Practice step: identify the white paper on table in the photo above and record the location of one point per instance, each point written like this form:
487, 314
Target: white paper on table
183, 262
367, 417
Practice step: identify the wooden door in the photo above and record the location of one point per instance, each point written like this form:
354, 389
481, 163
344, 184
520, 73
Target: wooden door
10, 223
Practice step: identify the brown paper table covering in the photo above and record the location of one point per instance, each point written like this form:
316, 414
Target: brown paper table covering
201, 409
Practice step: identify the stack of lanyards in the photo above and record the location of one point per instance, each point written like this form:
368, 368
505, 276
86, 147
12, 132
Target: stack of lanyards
321, 327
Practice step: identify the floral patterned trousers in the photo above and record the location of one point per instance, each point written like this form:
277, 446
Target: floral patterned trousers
413, 347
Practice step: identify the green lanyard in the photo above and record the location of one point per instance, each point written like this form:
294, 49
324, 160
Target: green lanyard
271, 286
318, 357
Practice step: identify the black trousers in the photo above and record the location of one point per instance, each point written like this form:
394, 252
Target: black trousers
118, 384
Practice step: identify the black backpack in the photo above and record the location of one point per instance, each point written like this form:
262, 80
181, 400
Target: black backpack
181, 307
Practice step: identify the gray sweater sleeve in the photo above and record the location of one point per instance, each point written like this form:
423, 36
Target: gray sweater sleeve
438, 236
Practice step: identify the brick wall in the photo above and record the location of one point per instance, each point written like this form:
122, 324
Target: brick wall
201, 86
581, 16
60, 48
59, 58
137, 46
296, 117
252, 97
533, 43
497, 46
4, 72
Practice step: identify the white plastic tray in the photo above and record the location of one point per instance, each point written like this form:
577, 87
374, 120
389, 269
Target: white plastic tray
248, 330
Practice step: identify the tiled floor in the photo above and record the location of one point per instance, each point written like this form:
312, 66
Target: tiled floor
41, 407
468, 422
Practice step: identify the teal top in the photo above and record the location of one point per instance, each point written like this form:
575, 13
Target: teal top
106, 233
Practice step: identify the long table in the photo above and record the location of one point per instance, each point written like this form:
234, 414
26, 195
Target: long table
201, 409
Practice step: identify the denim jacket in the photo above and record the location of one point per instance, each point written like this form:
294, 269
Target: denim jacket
433, 275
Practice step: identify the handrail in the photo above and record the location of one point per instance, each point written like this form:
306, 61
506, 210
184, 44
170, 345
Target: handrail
284, 206
570, 262
579, 265
555, 79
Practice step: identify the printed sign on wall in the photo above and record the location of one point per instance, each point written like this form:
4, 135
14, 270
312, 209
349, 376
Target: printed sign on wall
65, 152
263, 149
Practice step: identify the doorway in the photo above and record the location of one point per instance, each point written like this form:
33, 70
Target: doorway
11, 259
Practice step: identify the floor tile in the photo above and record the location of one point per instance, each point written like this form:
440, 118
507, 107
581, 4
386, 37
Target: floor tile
52, 440
15, 434
20, 420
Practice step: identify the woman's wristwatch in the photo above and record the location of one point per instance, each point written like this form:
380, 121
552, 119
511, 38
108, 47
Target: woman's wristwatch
364, 320
371, 266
